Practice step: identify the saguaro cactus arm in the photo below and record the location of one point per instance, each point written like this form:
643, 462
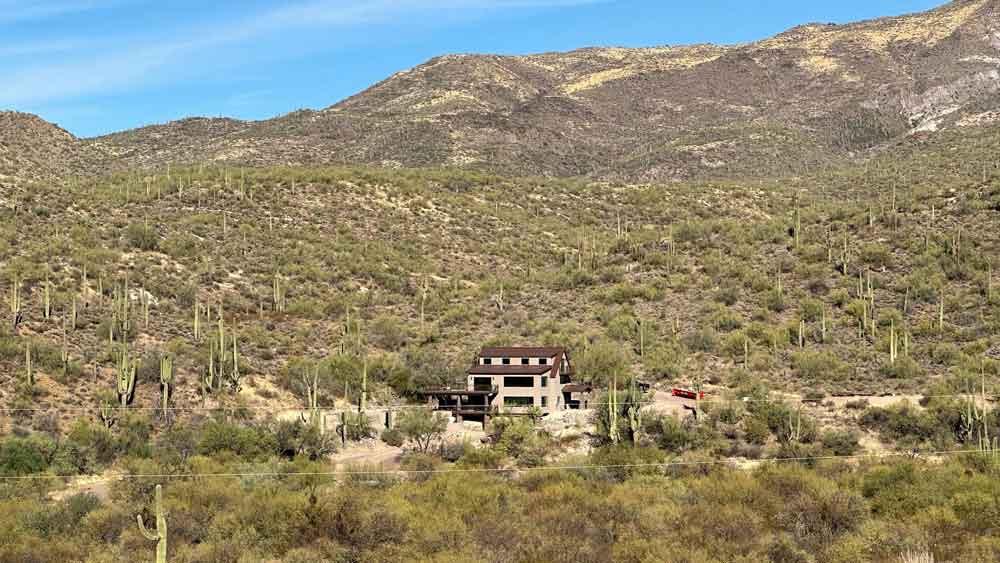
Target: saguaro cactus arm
160, 535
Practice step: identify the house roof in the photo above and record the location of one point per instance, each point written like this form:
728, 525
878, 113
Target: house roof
577, 388
521, 351
512, 369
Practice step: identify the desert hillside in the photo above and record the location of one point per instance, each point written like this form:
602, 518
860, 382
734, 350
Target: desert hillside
812, 97
773, 266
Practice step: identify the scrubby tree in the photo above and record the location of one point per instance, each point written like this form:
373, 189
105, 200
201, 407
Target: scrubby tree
421, 427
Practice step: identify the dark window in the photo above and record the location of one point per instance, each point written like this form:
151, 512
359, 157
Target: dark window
482, 384
525, 361
545, 402
506, 361
545, 381
519, 382
543, 361
487, 361
564, 379
518, 401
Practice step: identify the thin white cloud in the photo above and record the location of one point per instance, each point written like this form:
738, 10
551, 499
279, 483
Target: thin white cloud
44, 47
21, 10
130, 63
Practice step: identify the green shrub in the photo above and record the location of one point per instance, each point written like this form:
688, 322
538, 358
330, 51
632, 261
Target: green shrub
818, 366
142, 237
840, 442
393, 437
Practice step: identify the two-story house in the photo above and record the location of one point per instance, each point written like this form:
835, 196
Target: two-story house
513, 380
523, 377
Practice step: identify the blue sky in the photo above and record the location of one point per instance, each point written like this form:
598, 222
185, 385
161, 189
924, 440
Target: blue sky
96, 66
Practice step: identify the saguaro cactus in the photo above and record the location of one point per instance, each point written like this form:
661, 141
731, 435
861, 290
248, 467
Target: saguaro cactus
166, 380
47, 299
633, 410
312, 399
424, 289
125, 378
893, 342
15, 296
613, 433
278, 294
28, 367
160, 535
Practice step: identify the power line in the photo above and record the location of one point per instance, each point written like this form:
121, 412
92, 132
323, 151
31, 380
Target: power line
485, 410
403, 472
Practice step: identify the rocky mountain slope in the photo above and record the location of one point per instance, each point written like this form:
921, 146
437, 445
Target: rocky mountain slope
810, 97
807, 97
32, 148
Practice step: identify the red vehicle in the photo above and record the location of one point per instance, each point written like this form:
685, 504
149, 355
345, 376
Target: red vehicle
687, 394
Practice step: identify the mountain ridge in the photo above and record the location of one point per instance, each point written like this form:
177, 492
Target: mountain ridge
814, 95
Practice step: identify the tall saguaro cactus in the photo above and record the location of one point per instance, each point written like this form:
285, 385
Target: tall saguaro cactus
613, 433
28, 367
160, 535
125, 377
312, 399
166, 380
633, 409
15, 303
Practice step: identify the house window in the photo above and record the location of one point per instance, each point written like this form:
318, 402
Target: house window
564, 379
487, 361
543, 361
482, 384
545, 381
518, 401
545, 402
519, 381
506, 361
525, 361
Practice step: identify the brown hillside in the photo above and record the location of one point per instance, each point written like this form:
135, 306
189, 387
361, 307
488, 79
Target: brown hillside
32, 148
809, 97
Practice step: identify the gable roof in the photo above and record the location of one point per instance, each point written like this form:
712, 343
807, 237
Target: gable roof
522, 351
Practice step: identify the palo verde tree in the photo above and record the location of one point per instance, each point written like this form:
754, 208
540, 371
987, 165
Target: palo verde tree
421, 427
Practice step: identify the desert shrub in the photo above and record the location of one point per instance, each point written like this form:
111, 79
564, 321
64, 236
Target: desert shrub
141, 236
904, 368
663, 360
756, 431
775, 301
245, 441
180, 245
725, 319
357, 426
818, 366
600, 361
810, 310
902, 423
421, 427
856, 404
702, 340
840, 297
623, 462
24, 456
728, 294
393, 437
484, 458
388, 333
876, 256
668, 433
840, 442
627, 293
